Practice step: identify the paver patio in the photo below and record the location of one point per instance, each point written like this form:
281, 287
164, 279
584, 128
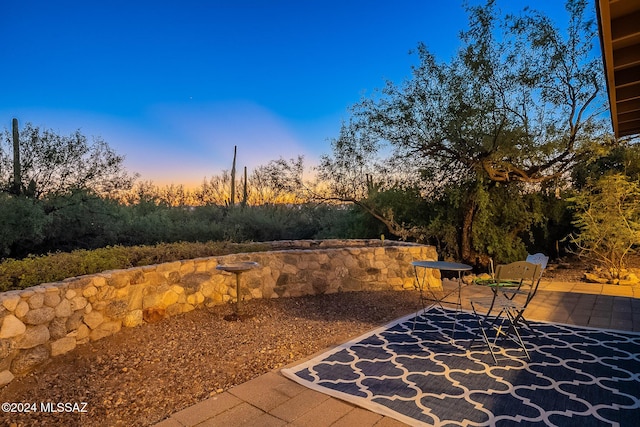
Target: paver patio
273, 400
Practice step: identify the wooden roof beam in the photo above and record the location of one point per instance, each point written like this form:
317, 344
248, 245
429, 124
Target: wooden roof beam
628, 106
627, 76
628, 93
626, 57
624, 30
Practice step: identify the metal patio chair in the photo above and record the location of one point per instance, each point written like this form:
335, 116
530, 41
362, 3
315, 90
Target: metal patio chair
504, 312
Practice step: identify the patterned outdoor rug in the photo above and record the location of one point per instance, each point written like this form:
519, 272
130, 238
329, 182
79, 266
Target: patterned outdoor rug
576, 377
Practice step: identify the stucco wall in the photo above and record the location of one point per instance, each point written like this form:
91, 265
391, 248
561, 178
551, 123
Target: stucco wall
53, 318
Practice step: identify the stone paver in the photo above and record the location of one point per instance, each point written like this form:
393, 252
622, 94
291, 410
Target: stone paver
297, 406
358, 417
599, 322
579, 318
240, 415
281, 390
324, 415
622, 305
273, 400
265, 420
206, 409
623, 324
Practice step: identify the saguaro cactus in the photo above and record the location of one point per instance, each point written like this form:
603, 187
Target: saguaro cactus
17, 171
244, 191
233, 176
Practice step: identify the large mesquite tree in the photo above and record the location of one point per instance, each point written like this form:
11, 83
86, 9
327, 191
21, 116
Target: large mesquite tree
516, 108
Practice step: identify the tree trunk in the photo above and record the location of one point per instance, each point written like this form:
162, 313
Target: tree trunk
467, 253
466, 236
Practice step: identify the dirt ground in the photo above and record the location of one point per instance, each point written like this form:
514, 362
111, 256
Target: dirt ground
142, 375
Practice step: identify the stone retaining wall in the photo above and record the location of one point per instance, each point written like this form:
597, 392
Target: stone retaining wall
53, 318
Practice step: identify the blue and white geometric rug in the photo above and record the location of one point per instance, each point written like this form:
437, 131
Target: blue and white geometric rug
577, 376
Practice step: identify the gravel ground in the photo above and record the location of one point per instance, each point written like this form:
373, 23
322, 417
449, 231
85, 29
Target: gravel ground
142, 375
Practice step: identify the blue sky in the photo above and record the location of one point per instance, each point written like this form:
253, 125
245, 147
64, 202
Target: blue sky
174, 85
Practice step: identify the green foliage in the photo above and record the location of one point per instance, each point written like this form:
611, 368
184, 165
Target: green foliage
271, 222
80, 219
441, 217
201, 223
22, 224
347, 222
30, 271
549, 235
608, 218
133, 234
505, 213
83, 220
623, 158
405, 204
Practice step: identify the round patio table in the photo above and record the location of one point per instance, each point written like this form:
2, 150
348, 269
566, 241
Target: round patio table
444, 266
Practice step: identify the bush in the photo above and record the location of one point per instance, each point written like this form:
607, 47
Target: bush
22, 224
347, 222
80, 220
34, 270
608, 218
271, 222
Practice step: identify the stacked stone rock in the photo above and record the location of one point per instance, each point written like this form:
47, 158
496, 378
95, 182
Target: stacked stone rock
52, 319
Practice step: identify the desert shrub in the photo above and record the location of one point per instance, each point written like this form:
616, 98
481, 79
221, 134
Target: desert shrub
347, 222
198, 224
80, 220
151, 227
22, 224
270, 222
608, 218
